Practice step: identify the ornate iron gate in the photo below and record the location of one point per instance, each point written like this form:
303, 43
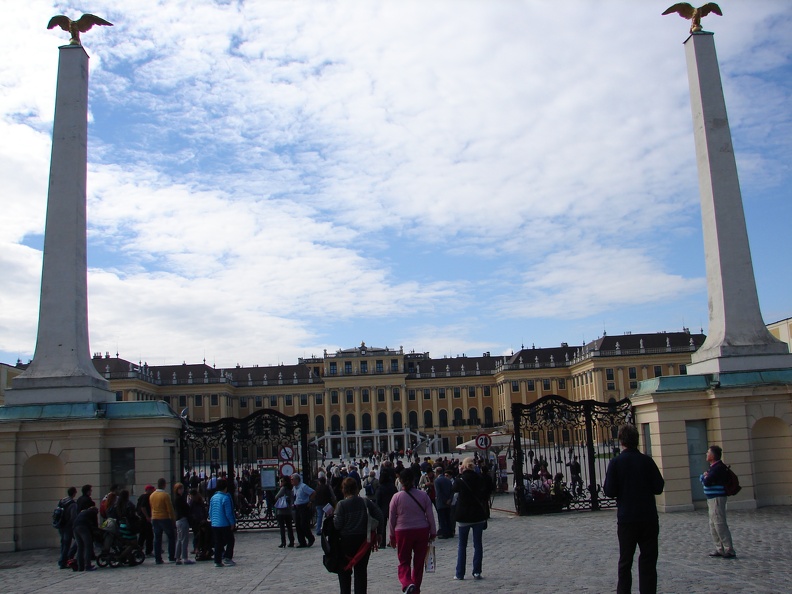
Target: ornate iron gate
576, 439
249, 449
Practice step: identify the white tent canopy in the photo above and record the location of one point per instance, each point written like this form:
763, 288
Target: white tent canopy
500, 441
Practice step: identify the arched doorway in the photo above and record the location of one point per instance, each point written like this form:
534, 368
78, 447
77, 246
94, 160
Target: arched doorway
42, 487
772, 461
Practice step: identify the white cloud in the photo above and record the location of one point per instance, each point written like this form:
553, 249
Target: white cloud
268, 177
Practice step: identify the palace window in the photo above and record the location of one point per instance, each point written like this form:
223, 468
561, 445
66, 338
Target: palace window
396, 394
333, 396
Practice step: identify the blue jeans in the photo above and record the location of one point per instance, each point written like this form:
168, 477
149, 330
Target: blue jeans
65, 545
478, 550
319, 518
167, 527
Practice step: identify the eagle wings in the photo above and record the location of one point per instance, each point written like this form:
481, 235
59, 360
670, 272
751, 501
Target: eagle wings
686, 11
81, 25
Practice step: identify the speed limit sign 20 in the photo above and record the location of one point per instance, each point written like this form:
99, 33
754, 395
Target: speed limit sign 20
483, 441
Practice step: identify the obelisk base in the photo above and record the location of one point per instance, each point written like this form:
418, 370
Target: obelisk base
725, 358
58, 390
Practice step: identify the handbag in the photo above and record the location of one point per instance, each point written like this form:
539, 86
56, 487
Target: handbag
431, 560
282, 502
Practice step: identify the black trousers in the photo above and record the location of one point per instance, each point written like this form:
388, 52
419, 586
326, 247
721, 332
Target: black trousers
303, 524
643, 535
350, 545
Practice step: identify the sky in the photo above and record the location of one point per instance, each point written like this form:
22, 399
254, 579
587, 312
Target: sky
270, 179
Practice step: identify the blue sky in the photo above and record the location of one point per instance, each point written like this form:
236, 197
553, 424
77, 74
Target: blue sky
271, 179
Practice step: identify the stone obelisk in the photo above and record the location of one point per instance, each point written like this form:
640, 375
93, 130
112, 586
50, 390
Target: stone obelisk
62, 370
738, 339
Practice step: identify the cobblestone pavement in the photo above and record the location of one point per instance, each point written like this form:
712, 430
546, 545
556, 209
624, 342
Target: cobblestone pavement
575, 552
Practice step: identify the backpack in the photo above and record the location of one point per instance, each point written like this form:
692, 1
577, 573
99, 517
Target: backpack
369, 488
732, 485
333, 558
59, 516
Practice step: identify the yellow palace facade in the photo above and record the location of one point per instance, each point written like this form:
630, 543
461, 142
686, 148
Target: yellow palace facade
367, 399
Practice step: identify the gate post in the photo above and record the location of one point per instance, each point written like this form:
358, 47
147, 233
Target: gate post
592, 466
229, 439
519, 482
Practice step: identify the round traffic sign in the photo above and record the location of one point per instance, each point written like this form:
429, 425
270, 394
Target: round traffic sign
287, 469
286, 453
483, 441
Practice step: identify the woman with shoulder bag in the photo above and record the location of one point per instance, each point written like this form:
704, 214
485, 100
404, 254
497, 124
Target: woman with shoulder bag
472, 511
411, 526
284, 501
351, 517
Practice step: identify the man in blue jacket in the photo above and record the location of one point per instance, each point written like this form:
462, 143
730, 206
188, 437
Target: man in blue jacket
634, 479
714, 481
221, 516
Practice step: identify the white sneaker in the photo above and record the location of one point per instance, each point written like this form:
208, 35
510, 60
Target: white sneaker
476, 576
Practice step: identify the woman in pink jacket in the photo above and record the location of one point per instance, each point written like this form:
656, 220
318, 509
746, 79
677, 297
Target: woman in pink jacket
411, 527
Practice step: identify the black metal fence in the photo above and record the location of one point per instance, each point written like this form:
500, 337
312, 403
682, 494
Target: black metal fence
562, 450
256, 451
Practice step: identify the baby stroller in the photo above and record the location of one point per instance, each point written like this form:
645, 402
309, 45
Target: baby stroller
203, 542
120, 545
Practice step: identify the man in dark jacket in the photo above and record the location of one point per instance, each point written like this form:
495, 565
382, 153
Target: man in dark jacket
443, 497
634, 479
66, 527
714, 481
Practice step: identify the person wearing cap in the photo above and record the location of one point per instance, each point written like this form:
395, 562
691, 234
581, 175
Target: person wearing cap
146, 536
303, 496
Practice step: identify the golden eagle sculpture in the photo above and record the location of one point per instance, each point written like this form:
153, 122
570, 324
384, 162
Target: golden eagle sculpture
81, 25
686, 11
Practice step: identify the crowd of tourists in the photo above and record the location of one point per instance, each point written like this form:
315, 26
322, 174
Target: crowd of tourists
410, 501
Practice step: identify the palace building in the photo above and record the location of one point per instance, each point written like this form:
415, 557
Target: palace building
366, 399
